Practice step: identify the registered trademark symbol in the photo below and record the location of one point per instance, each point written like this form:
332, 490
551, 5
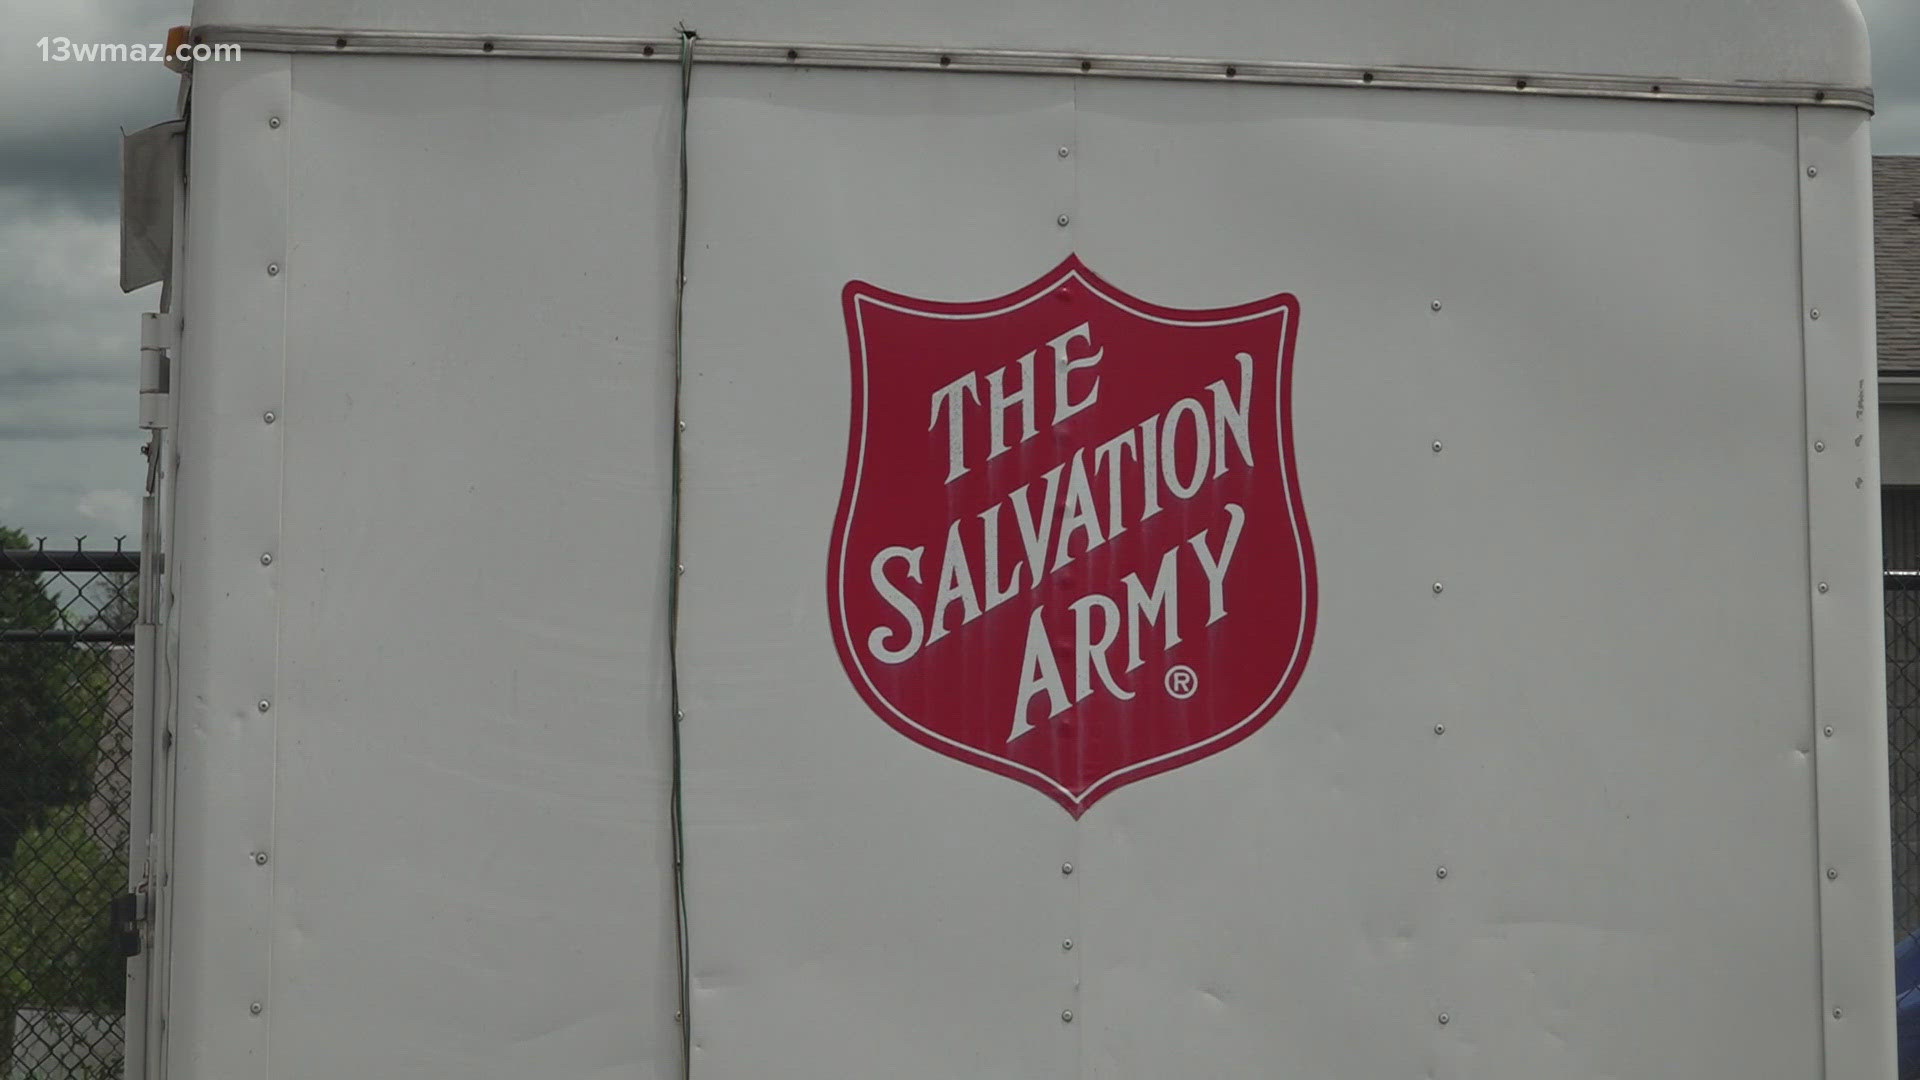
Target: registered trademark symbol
1182, 682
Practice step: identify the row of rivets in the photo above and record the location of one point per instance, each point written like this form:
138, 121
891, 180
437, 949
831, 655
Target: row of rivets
265, 705
1439, 872
1066, 945
1063, 220
1820, 447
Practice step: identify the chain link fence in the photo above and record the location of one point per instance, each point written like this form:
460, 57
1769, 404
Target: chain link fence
66, 791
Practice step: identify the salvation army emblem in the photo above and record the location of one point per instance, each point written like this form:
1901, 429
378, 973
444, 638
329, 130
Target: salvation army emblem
1071, 547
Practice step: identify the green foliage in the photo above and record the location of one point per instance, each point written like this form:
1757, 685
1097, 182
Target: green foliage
57, 874
54, 934
52, 704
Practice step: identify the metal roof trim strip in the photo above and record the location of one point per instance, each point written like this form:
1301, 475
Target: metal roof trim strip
1034, 62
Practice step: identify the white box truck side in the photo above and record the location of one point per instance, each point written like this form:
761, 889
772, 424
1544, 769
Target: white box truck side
1081, 539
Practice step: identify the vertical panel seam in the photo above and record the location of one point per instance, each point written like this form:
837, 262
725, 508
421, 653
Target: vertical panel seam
1813, 615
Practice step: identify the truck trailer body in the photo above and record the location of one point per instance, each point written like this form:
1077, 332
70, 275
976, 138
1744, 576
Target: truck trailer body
1013, 540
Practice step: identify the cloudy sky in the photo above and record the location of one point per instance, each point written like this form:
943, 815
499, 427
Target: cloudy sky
69, 452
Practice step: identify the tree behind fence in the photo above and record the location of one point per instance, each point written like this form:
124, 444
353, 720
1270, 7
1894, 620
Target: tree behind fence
66, 705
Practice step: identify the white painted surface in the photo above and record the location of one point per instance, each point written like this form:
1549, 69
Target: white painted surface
861, 906
1816, 41
463, 777
226, 613
1842, 458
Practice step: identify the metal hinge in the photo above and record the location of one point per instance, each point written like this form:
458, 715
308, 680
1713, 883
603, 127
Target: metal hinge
128, 913
159, 342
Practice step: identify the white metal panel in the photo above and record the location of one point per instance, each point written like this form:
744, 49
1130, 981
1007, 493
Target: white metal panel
227, 610
1620, 658
467, 797
1621, 796
1601, 725
1815, 41
1843, 491
859, 906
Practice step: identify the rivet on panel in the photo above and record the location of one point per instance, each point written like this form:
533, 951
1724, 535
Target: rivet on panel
1832, 874
1066, 1016
1062, 220
683, 425
1067, 945
1438, 588
1064, 151
1066, 868
1819, 448
1439, 729
1435, 305
1823, 586
1436, 446
1445, 1019
1441, 873
256, 1008
268, 416
273, 121
1814, 314
680, 569
1827, 731
1836, 1014
273, 269
264, 705
1813, 171
266, 558
259, 858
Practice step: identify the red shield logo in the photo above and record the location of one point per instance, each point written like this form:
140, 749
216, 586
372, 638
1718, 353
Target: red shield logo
1071, 547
